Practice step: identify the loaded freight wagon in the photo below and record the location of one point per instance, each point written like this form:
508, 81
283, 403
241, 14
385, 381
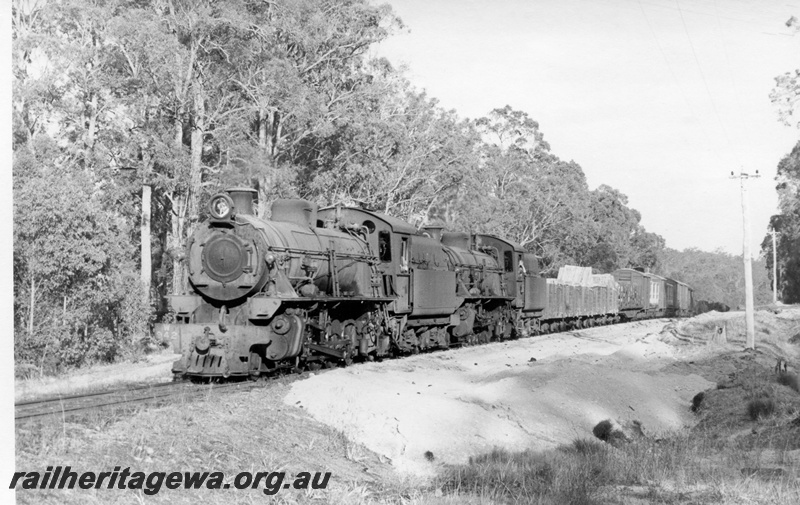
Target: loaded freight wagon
645, 295
579, 299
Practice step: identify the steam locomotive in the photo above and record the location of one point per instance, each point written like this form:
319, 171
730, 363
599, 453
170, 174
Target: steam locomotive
312, 288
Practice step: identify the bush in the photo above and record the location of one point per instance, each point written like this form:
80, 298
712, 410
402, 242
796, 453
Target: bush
789, 379
74, 254
761, 407
610, 432
603, 430
697, 401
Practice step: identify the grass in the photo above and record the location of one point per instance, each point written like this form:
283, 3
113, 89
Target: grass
233, 432
696, 469
760, 408
568, 476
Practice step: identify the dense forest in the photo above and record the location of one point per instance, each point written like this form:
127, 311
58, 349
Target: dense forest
786, 223
129, 114
787, 227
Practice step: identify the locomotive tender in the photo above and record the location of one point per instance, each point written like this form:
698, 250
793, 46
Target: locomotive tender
310, 288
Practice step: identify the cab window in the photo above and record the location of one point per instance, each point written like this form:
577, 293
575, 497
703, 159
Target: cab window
404, 253
384, 246
508, 261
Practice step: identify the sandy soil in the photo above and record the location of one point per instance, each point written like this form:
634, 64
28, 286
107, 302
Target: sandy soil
452, 405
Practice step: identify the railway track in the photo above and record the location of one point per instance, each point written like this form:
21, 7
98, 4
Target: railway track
84, 403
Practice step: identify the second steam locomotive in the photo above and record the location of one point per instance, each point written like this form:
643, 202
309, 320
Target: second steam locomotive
313, 288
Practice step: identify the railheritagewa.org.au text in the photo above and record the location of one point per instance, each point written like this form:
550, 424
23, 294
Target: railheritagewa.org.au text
64, 477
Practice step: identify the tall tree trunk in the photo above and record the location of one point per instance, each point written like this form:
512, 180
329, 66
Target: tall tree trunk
262, 129
266, 136
178, 213
30, 316
196, 174
190, 208
91, 122
176, 242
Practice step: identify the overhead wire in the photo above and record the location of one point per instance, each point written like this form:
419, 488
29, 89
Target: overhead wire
675, 78
764, 20
728, 67
705, 81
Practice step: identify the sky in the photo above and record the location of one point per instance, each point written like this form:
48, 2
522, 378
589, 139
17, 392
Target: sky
660, 99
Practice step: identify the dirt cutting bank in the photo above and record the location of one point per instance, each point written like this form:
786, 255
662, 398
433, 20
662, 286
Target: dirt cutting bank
532, 393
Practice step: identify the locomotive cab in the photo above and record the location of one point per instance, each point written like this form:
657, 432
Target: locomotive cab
390, 240
510, 258
414, 269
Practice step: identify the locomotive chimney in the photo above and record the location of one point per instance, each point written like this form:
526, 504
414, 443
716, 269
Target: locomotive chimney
242, 200
434, 231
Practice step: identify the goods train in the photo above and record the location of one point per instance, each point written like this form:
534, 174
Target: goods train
311, 288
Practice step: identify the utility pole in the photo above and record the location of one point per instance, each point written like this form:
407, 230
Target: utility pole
146, 265
748, 264
774, 267
147, 190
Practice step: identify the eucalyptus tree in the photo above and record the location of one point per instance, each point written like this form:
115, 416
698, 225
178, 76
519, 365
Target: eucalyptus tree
71, 237
398, 152
648, 250
786, 97
612, 225
786, 94
299, 68
787, 226
177, 98
532, 196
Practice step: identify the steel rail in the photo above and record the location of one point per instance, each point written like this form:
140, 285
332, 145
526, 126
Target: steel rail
97, 400
56, 398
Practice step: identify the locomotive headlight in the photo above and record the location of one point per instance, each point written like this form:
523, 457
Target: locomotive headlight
220, 206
